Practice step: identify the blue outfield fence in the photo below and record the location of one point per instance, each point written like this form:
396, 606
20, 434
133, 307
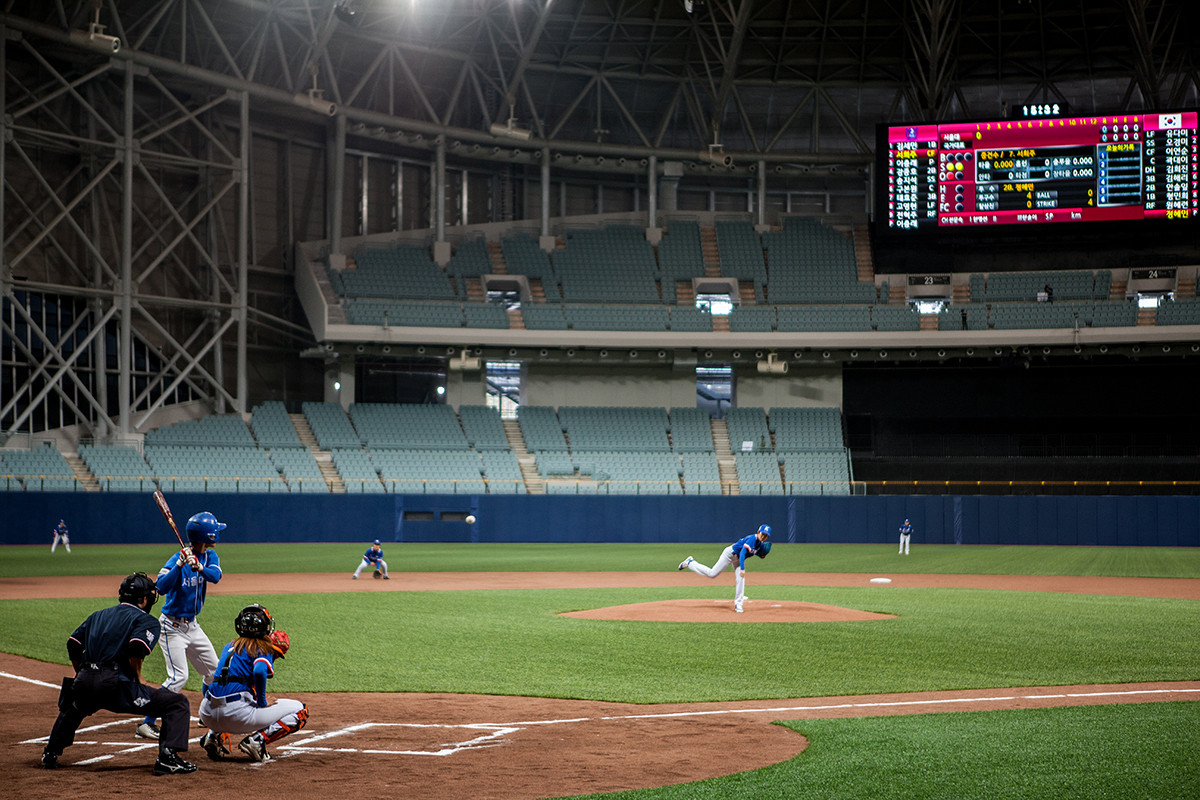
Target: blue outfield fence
132, 518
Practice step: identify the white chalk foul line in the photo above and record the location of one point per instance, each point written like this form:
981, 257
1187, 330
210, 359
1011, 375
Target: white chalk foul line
29, 680
490, 739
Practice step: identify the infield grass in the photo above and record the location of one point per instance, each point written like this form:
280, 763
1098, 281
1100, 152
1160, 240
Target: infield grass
1086, 753
21, 561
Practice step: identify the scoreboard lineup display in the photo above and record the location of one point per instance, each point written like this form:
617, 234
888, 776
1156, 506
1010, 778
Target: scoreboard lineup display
1047, 170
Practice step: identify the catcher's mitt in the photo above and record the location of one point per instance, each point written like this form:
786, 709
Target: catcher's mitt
378, 574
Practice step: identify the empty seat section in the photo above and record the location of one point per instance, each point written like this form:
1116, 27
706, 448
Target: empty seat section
541, 429
691, 431
616, 318
300, 469
758, 473
470, 260
408, 427
1180, 312
502, 471
331, 426
218, 468
807, 429
429, 471
811, 263
897, 318
680, 254
210, 431
741, 252
41, 469
612, 265
689, 319
272, 426
118, 469
485, 315
748, 425
1025, 286
404, 313
1020, 316
357, 471
523, 256
399, 271
824, 318
548, 317
752, 319
701, 474
615, 428
630, 472
483, 428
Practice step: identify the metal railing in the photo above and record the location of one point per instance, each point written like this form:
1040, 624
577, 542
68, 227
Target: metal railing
17, 482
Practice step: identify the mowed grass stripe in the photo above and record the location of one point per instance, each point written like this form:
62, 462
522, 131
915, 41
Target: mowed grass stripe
22, 561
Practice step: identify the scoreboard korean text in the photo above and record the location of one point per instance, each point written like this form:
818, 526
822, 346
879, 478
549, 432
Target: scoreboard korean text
1038, 171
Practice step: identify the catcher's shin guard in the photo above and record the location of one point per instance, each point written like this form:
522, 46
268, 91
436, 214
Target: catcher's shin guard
289, 724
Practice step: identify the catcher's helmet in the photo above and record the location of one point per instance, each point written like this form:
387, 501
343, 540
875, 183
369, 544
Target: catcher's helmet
762, 551
254, 622
203, 527
137, 586
765, 529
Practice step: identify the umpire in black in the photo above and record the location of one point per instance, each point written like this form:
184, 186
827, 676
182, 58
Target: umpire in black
107, 651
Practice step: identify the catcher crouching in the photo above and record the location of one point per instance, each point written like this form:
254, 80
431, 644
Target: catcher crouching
236, 701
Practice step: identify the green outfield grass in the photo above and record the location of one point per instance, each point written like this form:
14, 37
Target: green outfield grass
512, 642
1120, 751
1141, 562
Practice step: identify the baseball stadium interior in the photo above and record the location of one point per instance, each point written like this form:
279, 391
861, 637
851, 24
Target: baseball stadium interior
529, 247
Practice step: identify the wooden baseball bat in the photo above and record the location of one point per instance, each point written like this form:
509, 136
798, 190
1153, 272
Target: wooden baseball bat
166, 512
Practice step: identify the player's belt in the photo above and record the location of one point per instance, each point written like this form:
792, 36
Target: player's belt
240, 697
180, 620
101, 666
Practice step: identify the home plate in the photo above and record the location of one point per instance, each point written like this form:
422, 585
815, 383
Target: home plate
881, 580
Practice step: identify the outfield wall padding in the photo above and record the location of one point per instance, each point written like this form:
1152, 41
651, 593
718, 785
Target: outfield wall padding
133, 518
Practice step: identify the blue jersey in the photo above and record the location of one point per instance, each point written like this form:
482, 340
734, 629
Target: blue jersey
60, 529
245, 673
373, 556
184, 589
113, 635
749, 546
906, 529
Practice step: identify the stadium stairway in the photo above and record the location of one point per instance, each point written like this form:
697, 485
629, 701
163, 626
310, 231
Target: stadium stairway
84, 475
712, 261
862, 254
726, 466
323, 457
529, 472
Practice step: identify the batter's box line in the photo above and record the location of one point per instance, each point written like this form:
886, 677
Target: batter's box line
494, 738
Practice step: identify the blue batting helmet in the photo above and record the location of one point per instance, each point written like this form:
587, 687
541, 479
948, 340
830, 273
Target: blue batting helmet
765, 529
203, 527
762, 551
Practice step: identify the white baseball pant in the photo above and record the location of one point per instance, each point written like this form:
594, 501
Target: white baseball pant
904, 537
238, 713
183, 642
60, 537
365, 564
722, 564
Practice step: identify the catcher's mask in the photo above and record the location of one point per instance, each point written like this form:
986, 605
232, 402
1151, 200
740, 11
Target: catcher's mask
254, 622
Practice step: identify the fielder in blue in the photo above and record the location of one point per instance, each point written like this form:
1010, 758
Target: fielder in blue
183, 582
374, 555
757, 544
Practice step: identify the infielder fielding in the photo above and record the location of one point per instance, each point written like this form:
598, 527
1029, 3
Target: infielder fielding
183, 581
107, 651
757, 544
60, 536
236, 700
374, 555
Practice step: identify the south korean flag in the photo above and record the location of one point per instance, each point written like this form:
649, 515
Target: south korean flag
1169, 121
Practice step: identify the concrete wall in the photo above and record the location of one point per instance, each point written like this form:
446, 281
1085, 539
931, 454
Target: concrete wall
556, 386
819, 387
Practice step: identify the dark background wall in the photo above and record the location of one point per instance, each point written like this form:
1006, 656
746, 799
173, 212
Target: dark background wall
116, 518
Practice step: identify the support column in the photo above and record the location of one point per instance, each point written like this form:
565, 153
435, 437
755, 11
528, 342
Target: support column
439, 177
95, 304
214, 287
337, 174
346, 365
652, 191
125, 337
545, 191
243, 247
762, 195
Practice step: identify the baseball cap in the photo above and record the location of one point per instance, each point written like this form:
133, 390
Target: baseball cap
376, 541
765, 529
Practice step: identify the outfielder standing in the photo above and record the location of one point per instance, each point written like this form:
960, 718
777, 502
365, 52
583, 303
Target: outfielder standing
60, 536
183, 581
757, 544
905, 535
236, 700
374, 555
107, 651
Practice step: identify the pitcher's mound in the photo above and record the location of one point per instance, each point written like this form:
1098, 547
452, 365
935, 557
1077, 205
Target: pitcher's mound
722, 611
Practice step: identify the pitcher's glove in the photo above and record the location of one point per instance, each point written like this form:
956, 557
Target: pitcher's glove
378, 574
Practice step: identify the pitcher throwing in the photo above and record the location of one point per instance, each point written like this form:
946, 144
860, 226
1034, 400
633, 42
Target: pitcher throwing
758, 544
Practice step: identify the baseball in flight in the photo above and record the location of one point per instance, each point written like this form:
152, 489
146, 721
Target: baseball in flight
470, 519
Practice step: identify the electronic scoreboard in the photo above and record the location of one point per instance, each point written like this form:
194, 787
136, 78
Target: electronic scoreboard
1032, 172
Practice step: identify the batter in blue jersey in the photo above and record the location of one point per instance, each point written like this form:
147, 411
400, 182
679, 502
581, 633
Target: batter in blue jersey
757, 544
